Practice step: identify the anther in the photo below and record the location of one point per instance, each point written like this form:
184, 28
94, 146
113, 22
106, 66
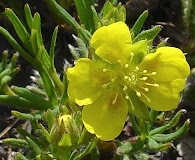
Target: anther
104, 70
153, 73
112, 80
146, 89
119, 61
156, 85
138, 94
127, 97
114, 101
132, 54
144, 78
145, 71
137, 68
126, 77
126, 65
125, 88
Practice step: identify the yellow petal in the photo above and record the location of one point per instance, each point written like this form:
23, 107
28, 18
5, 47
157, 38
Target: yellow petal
85, 81
111, 42
165, 97
105, 119
169, 63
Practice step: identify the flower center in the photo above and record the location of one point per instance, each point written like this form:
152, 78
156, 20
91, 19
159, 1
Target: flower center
127, 79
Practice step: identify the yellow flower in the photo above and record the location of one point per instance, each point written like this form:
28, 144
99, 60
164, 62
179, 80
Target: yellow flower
124, 77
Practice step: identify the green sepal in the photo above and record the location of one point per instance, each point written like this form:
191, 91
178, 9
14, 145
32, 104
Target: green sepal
149, 34
173, 122
139, 23
164, 138
20, 143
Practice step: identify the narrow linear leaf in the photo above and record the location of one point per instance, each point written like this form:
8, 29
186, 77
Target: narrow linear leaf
18, 102
65, 16
20, 143
14, 43
28, 15
35, 147
149, 34
36, 25
163, 138
139, 23
31, 97
19, 28
52, 47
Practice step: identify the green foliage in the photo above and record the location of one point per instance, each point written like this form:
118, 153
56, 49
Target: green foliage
57, 123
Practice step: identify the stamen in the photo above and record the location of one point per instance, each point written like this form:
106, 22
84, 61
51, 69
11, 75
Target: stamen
144, 78
154, 85
153, 73
146, 89
114, 101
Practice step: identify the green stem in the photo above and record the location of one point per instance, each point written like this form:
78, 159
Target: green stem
88, 149
134, 123
58, 83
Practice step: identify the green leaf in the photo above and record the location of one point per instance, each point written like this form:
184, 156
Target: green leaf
35, 147
65, 16
27, 116
173, 122
19, 28
149, 34
28, 15
20, 143
14, 43
163, 138
52, 47
85, 13
19, 156
36, 25
18, 102
48, 84
139, 23
32, 98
